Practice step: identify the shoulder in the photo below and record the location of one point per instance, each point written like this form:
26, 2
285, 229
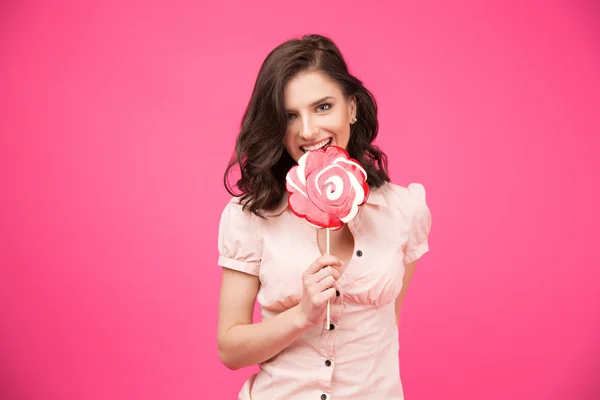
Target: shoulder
403, 204
240, 247
234, 205
234, 216
401, 197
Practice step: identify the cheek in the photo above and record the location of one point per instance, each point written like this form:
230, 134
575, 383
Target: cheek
290, 146
340, 125
287, 139
343, 132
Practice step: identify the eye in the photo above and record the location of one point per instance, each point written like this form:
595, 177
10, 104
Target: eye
290, 116
324, 106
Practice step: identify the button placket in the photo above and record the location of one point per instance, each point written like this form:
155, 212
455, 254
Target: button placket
327, 348
325, 376
328, 336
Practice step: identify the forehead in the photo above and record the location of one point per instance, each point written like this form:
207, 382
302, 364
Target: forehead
307, 87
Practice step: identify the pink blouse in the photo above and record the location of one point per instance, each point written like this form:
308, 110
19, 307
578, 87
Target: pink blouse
358, 358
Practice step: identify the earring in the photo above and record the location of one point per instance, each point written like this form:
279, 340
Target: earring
354, 119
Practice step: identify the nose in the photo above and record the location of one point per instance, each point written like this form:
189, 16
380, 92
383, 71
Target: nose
309, 129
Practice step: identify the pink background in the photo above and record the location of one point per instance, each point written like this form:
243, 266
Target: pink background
117, 123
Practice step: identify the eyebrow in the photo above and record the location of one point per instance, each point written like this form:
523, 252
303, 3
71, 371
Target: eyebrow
314, 103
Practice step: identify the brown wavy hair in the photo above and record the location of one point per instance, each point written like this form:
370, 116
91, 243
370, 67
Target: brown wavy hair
259, 152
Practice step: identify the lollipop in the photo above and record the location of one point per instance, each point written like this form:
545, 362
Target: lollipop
326, 189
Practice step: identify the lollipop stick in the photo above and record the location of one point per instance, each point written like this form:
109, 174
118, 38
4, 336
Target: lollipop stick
328, 302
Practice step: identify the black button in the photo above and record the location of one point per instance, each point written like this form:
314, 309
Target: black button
323, 397
331, 327
328, 363
337, 293
359, 253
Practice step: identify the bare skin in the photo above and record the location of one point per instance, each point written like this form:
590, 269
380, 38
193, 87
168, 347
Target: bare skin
341, 243
318, 114
242, 343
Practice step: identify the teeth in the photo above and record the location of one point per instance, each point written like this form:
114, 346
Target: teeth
322, 143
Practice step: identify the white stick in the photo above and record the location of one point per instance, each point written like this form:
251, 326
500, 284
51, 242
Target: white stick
328, 302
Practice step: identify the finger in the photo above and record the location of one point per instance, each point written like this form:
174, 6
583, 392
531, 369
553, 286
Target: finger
326, 283
327, 271
325, 296
323, 261
337, 287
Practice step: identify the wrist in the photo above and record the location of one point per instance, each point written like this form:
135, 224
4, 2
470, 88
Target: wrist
300, 320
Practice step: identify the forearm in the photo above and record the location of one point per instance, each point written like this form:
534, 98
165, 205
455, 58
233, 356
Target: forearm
250, 344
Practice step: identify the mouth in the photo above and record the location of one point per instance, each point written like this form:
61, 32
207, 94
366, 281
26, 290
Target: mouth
320, 145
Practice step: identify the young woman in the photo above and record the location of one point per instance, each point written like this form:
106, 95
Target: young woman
305, 98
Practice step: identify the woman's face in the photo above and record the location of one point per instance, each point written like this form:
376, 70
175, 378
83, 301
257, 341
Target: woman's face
317, 114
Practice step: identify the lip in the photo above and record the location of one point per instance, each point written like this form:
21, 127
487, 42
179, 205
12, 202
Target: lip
330, 139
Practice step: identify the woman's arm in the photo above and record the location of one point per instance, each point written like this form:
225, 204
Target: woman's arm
242, 343
409, 270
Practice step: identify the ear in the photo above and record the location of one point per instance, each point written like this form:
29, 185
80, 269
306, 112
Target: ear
352, 107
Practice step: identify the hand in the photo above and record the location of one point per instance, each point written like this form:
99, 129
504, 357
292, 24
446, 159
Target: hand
319, 284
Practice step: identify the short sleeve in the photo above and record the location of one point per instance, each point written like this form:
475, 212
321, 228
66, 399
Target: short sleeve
419, 224
240, 246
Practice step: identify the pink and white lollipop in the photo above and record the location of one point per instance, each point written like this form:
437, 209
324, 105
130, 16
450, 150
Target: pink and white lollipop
326, 189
